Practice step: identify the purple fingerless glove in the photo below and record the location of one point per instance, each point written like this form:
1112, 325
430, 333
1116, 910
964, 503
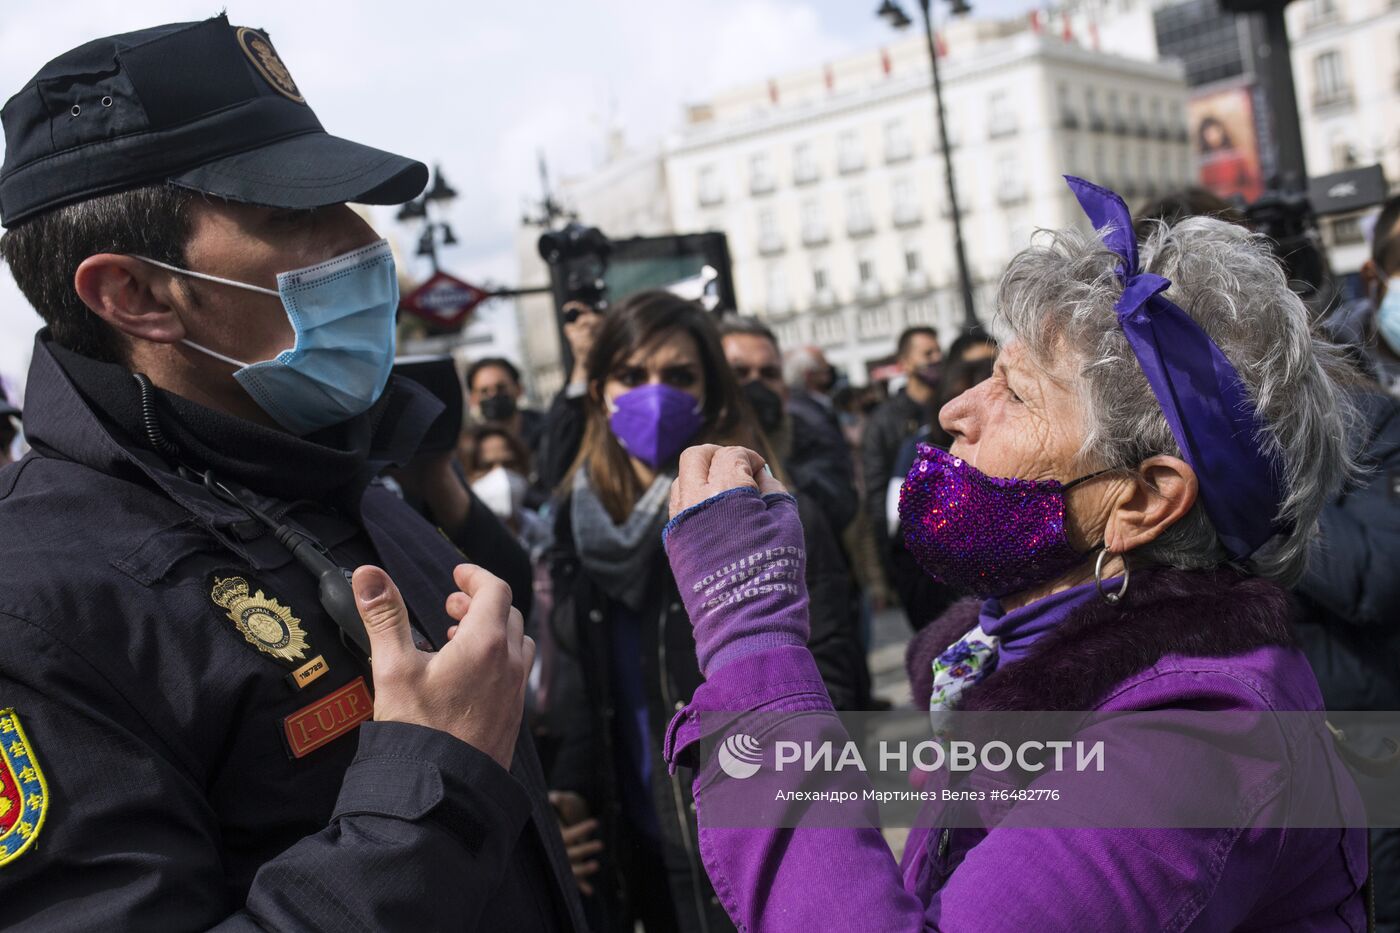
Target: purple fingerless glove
740, 562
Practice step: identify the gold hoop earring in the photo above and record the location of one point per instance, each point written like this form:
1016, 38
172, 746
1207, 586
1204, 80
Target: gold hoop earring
1111, 598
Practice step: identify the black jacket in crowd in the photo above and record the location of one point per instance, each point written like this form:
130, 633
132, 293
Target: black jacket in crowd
820, 459
892, 423
140, 620
670, 674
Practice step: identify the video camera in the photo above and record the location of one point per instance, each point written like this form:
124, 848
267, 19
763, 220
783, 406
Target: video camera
578, 261
1289, 218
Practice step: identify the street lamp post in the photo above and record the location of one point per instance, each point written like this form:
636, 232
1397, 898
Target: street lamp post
895, 15
418, 208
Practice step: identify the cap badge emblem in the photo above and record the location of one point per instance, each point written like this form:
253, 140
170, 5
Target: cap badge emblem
259, 50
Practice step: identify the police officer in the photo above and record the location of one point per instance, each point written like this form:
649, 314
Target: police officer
186, 694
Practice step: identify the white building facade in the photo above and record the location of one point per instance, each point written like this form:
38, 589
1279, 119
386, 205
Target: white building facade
1346, 69
830, 183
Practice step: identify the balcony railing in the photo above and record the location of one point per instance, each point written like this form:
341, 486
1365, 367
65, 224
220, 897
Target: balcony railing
806, 174
907, 215
823, 298
762, 184
860, 225
1001, 125
899, 150
770, 244
850, 162
869, 292
1011, 193
815, 235
711, 197
1333, 98
1069, 119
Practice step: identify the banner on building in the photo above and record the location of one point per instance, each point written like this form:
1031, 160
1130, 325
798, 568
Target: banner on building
1226, 143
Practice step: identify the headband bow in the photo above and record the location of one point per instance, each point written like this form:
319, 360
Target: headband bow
1202, 396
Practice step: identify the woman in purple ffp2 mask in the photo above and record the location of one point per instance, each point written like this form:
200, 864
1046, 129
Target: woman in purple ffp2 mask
1125, 496
657, 381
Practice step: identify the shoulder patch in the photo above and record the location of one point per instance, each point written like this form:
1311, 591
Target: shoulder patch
24, 794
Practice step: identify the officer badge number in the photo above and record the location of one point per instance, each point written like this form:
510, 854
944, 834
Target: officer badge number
263, 621
24, 795
264, 57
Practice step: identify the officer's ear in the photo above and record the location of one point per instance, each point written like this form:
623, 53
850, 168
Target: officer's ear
134, 297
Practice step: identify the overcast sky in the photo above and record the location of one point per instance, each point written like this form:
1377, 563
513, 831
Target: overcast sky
479, 87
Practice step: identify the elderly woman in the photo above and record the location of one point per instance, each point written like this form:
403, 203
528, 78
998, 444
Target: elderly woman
1127, 492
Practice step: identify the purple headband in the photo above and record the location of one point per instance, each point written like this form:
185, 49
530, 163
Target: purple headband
1202, 396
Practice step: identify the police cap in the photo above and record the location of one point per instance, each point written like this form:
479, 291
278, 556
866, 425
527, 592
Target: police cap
207, 106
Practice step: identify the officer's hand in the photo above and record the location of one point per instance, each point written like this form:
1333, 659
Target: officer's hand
474, 688
576, 827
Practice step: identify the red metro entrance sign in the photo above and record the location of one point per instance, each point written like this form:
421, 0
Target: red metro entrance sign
444, 301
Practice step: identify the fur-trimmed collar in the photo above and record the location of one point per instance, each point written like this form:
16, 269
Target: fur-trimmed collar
1214, 613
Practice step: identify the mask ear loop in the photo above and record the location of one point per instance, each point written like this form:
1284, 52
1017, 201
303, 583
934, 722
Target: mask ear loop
1109, 597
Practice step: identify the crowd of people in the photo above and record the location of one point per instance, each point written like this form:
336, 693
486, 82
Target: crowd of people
1147, 484
615, 634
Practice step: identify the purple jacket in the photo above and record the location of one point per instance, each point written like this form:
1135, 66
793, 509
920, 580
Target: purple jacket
1181, 641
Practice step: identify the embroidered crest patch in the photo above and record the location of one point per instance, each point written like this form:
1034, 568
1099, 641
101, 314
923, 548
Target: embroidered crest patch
263, 621
259, 50
24, 794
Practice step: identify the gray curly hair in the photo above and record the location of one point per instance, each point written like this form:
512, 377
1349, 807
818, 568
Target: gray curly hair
1057, 297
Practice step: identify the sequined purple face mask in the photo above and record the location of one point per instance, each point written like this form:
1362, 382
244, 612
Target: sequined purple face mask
983, 534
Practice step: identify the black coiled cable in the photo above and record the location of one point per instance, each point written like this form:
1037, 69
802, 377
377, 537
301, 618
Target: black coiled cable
150, 420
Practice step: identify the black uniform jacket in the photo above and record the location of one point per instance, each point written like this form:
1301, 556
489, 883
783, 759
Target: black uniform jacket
170, 776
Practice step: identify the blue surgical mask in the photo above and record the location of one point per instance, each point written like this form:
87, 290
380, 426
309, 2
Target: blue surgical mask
342, 313
1388, 314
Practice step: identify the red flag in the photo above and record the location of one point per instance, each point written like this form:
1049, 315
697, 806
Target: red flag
941, 44
1036, 26
885, 64
772, 90
1068, 34
828, 77
1094, 35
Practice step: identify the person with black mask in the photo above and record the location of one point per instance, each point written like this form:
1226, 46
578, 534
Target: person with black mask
494, 393
819, 470
968, 363
889, 426
656, 383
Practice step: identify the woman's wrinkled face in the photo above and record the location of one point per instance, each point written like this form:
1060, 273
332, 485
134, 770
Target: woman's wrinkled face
1027, 422
672, 359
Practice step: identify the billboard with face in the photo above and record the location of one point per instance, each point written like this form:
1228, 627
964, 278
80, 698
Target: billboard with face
1226, 143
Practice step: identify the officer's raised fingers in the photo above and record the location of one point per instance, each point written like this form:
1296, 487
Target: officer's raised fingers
385, 616
457, 604
478, 583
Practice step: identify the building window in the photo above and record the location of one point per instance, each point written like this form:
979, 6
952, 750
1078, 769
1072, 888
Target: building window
813, 225
850, 156
912, 262
769, 240
865, 270
906, 203
1330, 84
858, 219
777, 289
710, 192
819, 283
761, 180
1011, 187
898, 145
1001, 118
804, 165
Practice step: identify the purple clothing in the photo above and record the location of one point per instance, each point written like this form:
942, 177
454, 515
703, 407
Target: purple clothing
1023, 627
1016, 879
